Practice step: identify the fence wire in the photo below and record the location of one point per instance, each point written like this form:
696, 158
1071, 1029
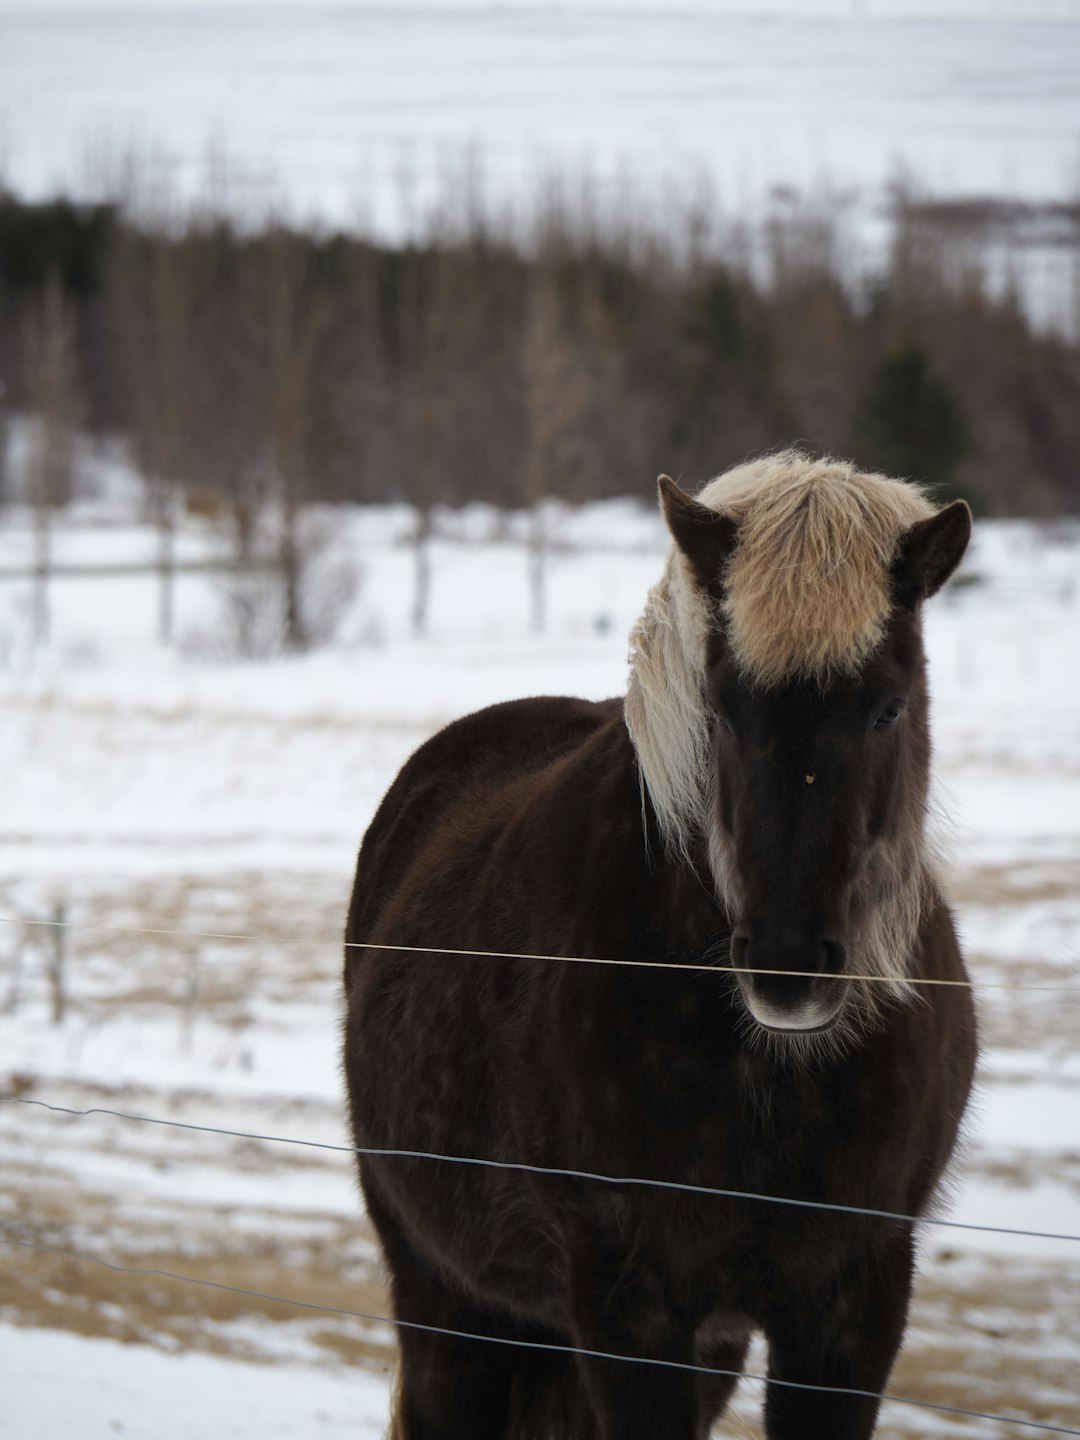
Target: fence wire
574, 1350
558, 1172
701, 966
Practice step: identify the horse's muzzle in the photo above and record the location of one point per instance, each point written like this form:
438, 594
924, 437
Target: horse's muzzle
791, 984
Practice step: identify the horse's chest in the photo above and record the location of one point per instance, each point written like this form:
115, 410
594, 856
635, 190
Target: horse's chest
715, 1239
728, 1125
678, 1092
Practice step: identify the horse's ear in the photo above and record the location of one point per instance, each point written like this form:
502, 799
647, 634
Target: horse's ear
705, 537
929, 553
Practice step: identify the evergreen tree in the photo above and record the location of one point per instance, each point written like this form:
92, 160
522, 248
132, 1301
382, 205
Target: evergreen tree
909, 422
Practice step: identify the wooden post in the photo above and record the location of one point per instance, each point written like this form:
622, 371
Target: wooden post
55, 962
15, 992
191, 1002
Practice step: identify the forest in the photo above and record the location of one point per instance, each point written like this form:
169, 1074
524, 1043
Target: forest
271, 365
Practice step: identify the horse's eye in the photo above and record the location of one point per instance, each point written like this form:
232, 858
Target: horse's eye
889, 715
722, 720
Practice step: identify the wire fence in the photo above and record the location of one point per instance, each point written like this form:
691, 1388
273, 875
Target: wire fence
571, 1350
10, 1237
706, 964
558, 1172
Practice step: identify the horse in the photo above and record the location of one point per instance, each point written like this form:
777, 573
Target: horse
740, 847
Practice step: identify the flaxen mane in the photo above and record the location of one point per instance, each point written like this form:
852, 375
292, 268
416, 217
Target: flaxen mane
806, 596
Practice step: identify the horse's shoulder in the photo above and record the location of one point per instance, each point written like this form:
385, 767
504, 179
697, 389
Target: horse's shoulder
501, 740
460, 779
549, 721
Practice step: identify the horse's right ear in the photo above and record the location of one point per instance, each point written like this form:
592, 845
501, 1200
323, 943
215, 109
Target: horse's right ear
929, 553
705, 537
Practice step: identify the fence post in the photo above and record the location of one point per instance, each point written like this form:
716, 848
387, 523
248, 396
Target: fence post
191, 1001
56, 961
18, 950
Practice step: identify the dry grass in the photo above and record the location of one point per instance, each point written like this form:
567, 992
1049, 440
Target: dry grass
989, 1336
1015, 884
985, 1337
333, 1265
988, 1331
982, 1336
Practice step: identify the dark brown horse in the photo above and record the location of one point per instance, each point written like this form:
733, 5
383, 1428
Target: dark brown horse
754, 808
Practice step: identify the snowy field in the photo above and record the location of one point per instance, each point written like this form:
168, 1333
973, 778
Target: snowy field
361, 113
194, 819
168, 799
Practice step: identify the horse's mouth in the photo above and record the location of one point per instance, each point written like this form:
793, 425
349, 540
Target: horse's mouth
813, 1016
818, 1029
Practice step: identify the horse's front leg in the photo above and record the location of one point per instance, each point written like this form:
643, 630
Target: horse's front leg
619, 1310
845, 1336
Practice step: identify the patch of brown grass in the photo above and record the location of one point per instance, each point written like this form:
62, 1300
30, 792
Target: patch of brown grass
173, 1310
1013, 884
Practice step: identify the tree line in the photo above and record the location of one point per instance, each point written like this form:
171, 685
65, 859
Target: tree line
254, 369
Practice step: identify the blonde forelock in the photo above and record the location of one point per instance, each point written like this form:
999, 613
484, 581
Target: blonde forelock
807, 587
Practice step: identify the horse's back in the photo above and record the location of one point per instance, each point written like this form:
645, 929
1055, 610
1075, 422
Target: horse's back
460, 782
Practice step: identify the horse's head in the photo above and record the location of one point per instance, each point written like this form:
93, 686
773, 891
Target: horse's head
794, 594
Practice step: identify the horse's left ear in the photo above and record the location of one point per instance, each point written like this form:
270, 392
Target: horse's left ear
705, 537
929, 553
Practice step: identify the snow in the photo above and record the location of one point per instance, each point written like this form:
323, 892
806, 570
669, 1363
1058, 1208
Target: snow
379, 115
109, 1390
181, 789
157, 788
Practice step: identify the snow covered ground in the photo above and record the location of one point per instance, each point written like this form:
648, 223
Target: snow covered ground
165, 790
374, 114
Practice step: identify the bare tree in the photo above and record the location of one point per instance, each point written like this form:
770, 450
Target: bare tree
152, 293
169, 304
50, 349
3, 447
558, 388
428, 323
225, 419
409, 310
298, 323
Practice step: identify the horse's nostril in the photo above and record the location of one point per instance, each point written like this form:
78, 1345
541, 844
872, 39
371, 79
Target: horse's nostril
740, 946
786, 955
834, 957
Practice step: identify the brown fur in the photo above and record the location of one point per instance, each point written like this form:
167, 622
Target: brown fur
525, 828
